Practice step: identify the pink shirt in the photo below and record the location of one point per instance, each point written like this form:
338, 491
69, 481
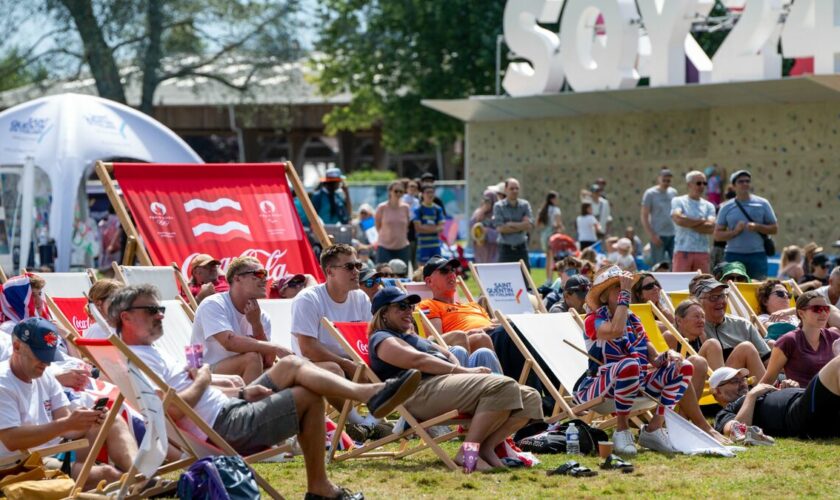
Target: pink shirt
393, 229
803, 362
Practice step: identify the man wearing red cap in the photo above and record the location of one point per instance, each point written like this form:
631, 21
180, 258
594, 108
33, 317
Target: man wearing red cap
205, 277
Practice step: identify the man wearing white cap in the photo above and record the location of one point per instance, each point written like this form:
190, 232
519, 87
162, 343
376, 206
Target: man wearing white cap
812, 412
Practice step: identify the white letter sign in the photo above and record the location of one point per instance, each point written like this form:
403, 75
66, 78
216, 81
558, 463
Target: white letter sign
528, 40
811, 30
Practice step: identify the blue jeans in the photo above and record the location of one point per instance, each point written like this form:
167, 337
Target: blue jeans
658, 252
480, 357
756, 263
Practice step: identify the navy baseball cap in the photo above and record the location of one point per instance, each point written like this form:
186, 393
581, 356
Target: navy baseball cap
436, 263
577, 284
40, 335
391, 295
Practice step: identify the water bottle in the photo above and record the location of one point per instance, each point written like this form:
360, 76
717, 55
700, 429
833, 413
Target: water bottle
572, 440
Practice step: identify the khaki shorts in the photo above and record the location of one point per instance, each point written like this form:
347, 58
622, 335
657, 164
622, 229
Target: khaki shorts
472, 394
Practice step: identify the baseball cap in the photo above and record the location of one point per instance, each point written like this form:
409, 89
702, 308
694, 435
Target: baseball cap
368, 273
391, 295
666, 172
739, 173
436, 263
201, 260
427, 176
577, 284
40, 335
332, 175
595, 188
398, 266
725, 373
821, 260
285, 280
700, 287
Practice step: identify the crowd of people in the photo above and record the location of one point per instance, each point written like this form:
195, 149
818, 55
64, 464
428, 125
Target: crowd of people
256, 393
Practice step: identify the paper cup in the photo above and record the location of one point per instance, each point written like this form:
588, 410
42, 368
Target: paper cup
605, 448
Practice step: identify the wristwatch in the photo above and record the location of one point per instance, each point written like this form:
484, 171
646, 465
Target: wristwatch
242, 393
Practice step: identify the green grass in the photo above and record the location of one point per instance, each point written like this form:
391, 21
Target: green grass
791, 468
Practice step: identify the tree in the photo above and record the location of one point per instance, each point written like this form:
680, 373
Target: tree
391, 54
155, 40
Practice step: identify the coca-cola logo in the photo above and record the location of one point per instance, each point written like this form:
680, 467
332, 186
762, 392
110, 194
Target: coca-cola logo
272, 261
362, 347
81, 324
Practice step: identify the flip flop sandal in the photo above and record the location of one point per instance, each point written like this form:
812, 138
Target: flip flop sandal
512, 462
614, 462
574, 469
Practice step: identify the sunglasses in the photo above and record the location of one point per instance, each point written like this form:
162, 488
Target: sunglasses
405, 306
294, 284
651, 286
717, 297
260, 274
701, 183
817, 309
445, 270
371, 282
743, 181
398, 191
781, 294
151, 310
351, 266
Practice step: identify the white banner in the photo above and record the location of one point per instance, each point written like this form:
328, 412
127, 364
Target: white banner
505, 287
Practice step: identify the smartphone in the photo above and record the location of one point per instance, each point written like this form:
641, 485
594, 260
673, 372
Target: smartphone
101, 403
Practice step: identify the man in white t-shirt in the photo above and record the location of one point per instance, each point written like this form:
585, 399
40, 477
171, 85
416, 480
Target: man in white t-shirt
339, 299
694, 223
235, 333
287, 401
35, 411
832, 291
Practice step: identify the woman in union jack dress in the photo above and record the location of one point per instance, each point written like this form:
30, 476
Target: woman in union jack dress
627, 364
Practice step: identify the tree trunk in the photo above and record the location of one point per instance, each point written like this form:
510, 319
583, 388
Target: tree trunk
98, 54
152, 58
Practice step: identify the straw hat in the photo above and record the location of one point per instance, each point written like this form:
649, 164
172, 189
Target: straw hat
812, 248
604, 279
479, 233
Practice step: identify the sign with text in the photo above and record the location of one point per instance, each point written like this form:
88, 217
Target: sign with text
504, 287
225, 210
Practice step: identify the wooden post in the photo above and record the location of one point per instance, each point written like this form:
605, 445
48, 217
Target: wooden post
103, 172
529, 280
314, 221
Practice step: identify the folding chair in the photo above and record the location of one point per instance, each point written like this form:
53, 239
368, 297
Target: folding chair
674, 282
506, 287
280, 313
168, 279
353, 338
117, 360
67, 284
559, 341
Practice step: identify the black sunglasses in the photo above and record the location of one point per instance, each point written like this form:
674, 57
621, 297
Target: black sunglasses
371, 282
151, 310
651, 286
405, 306
350, 266
781, 294
701, 183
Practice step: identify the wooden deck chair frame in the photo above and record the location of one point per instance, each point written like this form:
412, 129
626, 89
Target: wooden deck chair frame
415, 426
3, 277
171, 398
563, 395
430, 330
529, 281
119, 274
105, 170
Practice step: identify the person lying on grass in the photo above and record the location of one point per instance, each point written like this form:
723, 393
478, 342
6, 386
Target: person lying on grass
499, 405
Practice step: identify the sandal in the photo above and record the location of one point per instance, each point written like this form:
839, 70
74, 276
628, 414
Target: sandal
614, 462
574, 469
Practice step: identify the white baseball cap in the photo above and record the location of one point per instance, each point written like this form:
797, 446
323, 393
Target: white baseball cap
724, 374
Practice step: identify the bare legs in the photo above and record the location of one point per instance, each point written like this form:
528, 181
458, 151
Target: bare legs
293, 371
248, 365
745, 355
310, 410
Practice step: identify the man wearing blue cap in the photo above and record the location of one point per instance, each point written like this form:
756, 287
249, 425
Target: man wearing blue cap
745, 223
35, 411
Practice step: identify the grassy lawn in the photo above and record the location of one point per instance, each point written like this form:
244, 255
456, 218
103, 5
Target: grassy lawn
791, 468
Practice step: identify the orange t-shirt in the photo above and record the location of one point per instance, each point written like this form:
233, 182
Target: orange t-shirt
455, 316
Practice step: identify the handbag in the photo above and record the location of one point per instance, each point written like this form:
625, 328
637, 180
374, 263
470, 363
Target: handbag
769, 244
31, 480
220, 477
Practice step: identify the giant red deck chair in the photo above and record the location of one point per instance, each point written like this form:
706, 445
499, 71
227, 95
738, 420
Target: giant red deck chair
226, 210
354, 339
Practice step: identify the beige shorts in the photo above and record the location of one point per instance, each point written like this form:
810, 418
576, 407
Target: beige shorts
472, 394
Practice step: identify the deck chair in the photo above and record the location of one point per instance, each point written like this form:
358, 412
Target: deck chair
117, 361
177, 328
426, 329
550, 335
422, 289
506, 287
674, 282
280, 313
67, 284
353, 338
168, 279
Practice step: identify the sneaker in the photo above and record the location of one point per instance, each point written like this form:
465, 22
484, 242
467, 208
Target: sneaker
381, 430
738, 431
437, 431
358, 432
623, 443
657, 440
395, 392
756, 437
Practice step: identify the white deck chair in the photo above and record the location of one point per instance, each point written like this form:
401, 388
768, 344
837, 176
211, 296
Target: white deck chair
66, 284
280, 313
548, 335
506, 286
177, 328
674, 282
167, 279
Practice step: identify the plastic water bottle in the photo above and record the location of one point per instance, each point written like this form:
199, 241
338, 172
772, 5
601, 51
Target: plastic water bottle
572, 440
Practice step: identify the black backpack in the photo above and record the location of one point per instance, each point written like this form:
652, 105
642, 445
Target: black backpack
554, 441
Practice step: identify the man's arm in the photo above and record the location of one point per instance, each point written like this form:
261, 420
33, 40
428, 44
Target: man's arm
426, 228
645, 216
64, 424
746, 413
721, 234
312, 349
763, 228
241, 343
192, 394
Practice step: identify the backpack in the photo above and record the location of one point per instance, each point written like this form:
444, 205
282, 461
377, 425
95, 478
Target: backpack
554, 439
218, 478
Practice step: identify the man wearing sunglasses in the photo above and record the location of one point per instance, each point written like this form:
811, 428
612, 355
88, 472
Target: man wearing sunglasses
574, 295
370, 282
290, 285
235, 333
740, 344
205, 278
694, 223
807, 413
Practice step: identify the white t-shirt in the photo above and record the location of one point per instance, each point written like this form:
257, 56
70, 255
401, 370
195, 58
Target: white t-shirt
586, 228
97, 332
5, 346
176, 376
217, 314
28, 403
315, 303
824, 292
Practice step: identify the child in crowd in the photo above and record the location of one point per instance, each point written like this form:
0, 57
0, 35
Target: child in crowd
624, 255
428, 223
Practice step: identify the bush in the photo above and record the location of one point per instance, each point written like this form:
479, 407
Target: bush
371, 176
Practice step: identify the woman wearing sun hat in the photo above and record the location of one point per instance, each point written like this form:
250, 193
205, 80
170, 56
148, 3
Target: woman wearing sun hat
627, 363
498, 404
